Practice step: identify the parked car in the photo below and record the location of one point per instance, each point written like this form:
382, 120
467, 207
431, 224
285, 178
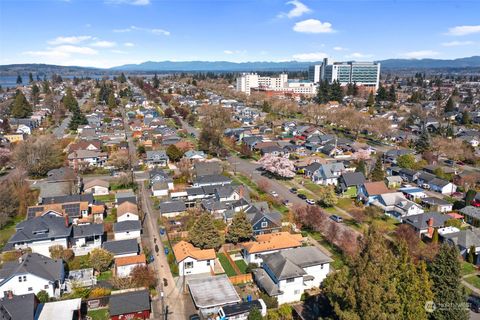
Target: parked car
274, 194
302, 196
310, 201
460, 163
294, 190
194, 317
336, 218
474, 303
286, 202
449, 163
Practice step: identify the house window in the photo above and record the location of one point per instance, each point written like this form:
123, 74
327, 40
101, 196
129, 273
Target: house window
19, 279
321, 266
208, 262
290, 280
296, 292
24, 278
46, 286
30, 289
264, 224
188, 265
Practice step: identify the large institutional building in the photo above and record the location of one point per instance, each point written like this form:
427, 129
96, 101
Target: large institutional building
280, 85
365, 74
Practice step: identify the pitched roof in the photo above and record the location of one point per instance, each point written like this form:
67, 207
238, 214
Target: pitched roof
352, 179
376, 188
120, 247
273, 241
20, 307
41, 228
127, 207
420, 221
95, 183
172, 206
129, 302
184, 249
129, 225
87, 230
125, 261
33, 263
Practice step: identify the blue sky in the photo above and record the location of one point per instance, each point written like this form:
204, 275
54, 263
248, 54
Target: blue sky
106, 33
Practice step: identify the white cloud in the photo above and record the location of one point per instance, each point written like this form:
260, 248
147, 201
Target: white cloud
103, 44
135, 28
463, 30
298, 10
457, 43
420, 54
358, 55
312, 56
129, 44
228, 52
339, 49
119, 51
132, 2
313, 26
64, 51
69, 40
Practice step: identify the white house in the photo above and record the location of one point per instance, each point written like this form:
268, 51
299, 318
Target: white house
442, 186
287, 274
192, 260
96, 187
87, 237
130, 229
122, 248
160, 189
253, 251
395, 204
325, 174
127, 211
32, 273
40, 233
125, 265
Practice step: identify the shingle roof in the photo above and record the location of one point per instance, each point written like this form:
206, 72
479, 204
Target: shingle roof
129, 225
87, 230
376, 188
20, 307
96, 182
420, 221
129, 302
273, 241
41, 228
184, 249
120, 247
352, 179
33, 263
471, 211
172, 206
127, 207
125, 261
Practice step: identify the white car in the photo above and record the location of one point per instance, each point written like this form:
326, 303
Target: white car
310, 201
274, 194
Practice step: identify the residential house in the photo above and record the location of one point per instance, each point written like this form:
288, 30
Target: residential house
464, 240
207, 168
130, 229
325, 174
156, 158
18, 307
125, 265
211, 180
425, 223
157, 175
192, 260
371, 191
472, 215
395, 204
40, 233
287, 274
85, 158
87, 237
437, 204
69, 309
442, 186
130, 305
32, 273
349, 182
262, 219
393, 182
96, 187
125, 196
413, 193
194, 155
127, 211
122, 248
240, 311
253, 251
173, 208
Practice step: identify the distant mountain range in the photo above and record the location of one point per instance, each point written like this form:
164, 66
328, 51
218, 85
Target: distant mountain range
178, 66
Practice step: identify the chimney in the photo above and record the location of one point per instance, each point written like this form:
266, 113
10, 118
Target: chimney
66, 221
10, 295
430, 227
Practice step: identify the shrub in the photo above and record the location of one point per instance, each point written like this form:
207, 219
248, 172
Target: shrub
99, 292
43, 296
270, 302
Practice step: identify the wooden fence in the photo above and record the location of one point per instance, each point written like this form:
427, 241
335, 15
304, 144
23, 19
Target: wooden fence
241, 278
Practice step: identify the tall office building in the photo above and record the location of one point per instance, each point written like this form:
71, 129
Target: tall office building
315, 73
365, 74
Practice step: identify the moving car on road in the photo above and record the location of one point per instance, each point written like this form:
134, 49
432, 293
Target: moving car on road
336, 218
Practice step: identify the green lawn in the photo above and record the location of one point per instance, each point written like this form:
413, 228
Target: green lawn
241, 265
337, 256
105, 198
473, 280
467, 268
345, 204
226, 265
107, 275
100, 314
8, 230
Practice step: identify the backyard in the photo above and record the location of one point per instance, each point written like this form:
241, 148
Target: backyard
100, 314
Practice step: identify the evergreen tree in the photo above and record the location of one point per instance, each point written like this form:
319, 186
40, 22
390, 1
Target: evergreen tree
470, 196
450, 106
20, 107
45, 87
203, 233
377, 173
370, 102
361, 167
122, 78
30, 77
255, 314
323, 92
423, 143
69, 101
173, 153
471, 258
466, 118
435, 236
156, 81
19, 79
437, 95
392, 95
336, 92
112, 103
381, 94
445, 273
240, 230
355, 89
35, 94
413, 286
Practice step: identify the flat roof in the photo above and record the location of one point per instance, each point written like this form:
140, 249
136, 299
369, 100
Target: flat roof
212, 291
60, 310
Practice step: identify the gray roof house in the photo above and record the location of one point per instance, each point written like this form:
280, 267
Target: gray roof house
472, 215
210, 180
122, 247
128, 225
18, 307
325, 174
351, 179
128, 303
422, 222
172, 208
157, 158
464, 240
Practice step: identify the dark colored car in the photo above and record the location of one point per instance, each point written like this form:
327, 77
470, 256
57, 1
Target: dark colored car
194, 317
474, 303
302, 196
293, 190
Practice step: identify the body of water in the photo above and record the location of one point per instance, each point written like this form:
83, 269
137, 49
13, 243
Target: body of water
11, 81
